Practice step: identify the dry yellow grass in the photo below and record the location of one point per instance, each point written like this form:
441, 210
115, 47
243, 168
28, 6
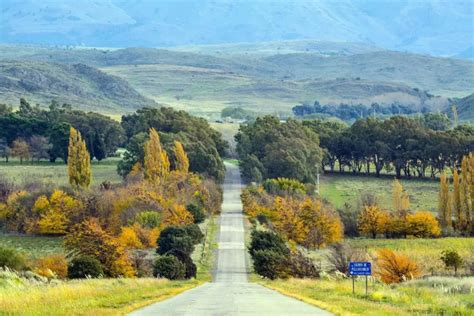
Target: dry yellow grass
89, 297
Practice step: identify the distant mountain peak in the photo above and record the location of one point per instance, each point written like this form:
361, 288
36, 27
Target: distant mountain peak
430, 27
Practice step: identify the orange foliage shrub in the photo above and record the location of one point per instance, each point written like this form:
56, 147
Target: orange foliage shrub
54, 266
88, 238
395, 268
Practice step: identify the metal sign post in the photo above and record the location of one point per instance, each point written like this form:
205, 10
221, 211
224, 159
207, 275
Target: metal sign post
360, 269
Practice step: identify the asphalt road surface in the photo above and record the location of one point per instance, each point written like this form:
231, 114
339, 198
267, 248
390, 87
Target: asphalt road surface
230, 293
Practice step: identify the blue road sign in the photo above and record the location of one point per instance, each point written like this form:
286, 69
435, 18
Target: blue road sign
360, 268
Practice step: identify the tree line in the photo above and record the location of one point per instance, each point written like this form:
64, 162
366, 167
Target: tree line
400, 144
349, 112
35, 133
269, 148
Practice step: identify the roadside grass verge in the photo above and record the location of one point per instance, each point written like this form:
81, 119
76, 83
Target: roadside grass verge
425, 252
437, 296
89, 297
204, 253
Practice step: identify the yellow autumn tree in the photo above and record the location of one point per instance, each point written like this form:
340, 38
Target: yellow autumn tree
20, 149
287, 221
129, 240
467, 194
55, 212
456, 199
423, 224
444, 207
182, 161
321, 227
156, 162
176, 214
372, 221
79, 161
400, 198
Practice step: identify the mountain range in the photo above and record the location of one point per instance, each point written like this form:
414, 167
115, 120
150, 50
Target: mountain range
435, 27
267, 78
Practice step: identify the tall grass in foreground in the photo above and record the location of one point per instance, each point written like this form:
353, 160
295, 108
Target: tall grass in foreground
88, 297
433, 296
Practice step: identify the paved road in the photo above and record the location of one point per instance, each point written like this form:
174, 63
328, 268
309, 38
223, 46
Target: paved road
230, 293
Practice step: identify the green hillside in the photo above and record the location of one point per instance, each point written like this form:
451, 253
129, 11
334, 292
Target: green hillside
267, 77
83, 86
206, 92
449, 77
465, 107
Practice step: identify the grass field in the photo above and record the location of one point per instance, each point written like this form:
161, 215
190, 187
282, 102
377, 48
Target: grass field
434, 296
425, 252
56, 173
33, 246
206, 91
340, 189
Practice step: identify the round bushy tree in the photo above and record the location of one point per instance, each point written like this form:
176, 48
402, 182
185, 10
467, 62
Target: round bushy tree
175, 237
84, 266
271, 264
169, 267
197, 212
263, 240
194, 232
191, 268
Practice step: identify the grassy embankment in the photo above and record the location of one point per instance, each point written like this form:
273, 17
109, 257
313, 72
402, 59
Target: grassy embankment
433, 296
99, 296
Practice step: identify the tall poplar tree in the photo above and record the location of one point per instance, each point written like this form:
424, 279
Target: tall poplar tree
444, 207
400, 198
467, 192
457, 206
79, 160
182, 161
156, 162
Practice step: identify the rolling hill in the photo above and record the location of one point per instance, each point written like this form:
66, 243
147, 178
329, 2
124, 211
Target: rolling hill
83, 86
262, 77
465, 107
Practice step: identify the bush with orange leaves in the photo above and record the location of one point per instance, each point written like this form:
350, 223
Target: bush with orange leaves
395, 268
90, 239
53, 266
